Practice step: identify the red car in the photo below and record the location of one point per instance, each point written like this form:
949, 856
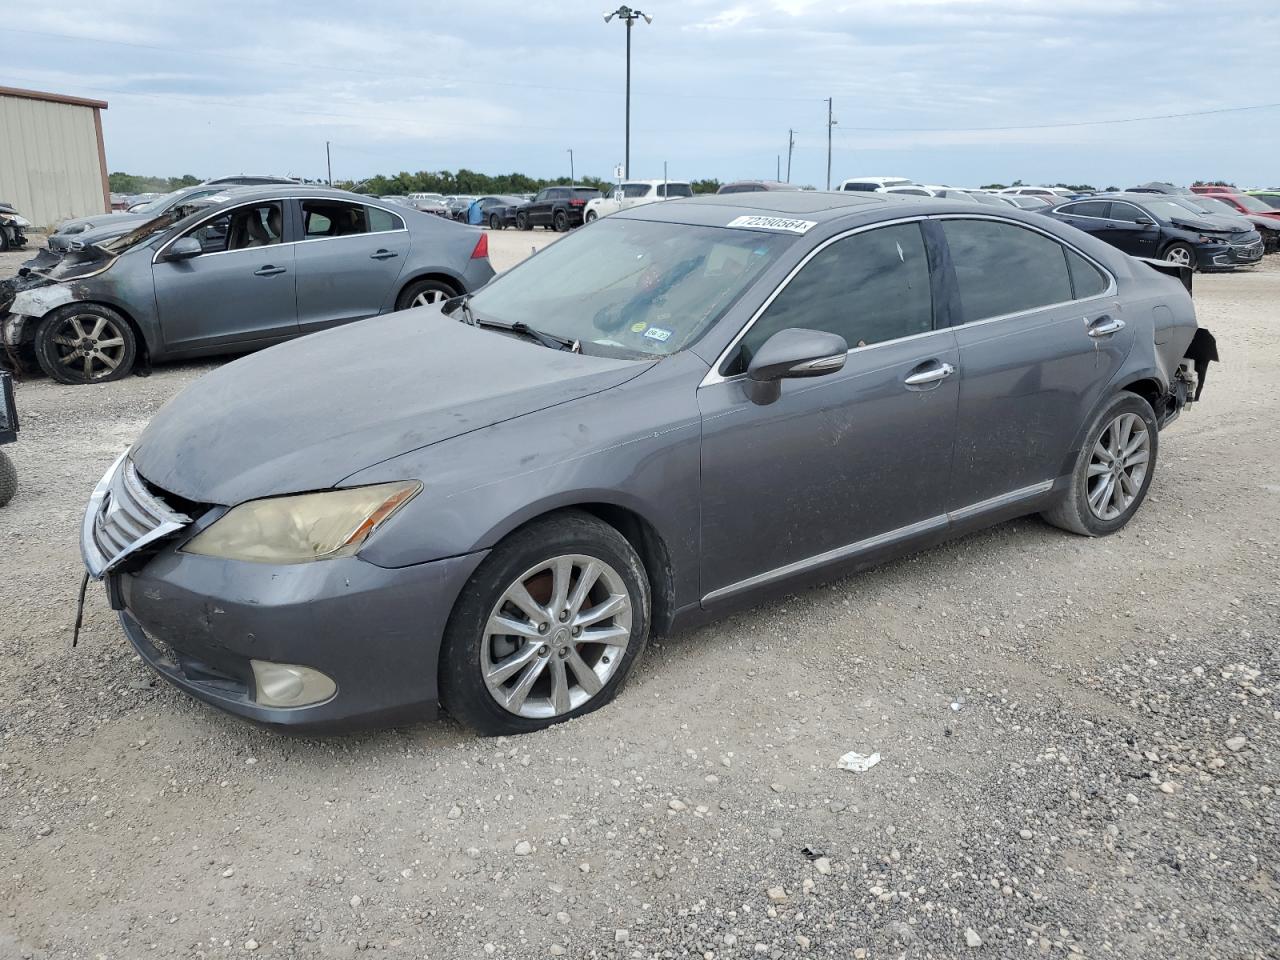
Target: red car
1241, 201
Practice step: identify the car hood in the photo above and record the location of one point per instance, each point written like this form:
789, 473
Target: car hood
1211, 223
309, 413
102, 220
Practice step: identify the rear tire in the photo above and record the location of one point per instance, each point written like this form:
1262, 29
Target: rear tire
1113, 470
1182, 254
560, 222
549, 656
85, 343
424, 293
8, 479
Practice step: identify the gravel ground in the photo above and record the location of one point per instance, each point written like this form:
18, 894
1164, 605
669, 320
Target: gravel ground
1078, 744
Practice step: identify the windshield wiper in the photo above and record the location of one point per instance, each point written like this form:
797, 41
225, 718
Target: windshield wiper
462, 303
551, 340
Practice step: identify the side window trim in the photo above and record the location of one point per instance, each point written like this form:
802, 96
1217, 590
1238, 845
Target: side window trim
714, 375
1110, 291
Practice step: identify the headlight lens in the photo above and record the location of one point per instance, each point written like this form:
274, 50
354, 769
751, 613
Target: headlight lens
299, 529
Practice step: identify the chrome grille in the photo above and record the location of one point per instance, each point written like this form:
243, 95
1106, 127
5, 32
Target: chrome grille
123, 516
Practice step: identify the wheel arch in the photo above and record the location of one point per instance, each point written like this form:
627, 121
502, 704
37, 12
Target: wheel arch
643, 535
440, 276
1148, 384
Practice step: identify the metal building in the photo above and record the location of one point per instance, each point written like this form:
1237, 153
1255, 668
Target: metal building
52, 161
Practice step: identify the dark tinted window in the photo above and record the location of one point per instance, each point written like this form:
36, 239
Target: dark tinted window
381, 220
868, 288
1002, 268
1086, 279
866, 187
741, 188
333, 218
560, 193
585, 193
1087, 208
1270, 199
675, 190
1128, 213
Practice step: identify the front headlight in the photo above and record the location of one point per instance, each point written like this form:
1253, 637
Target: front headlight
16, 220
299, 529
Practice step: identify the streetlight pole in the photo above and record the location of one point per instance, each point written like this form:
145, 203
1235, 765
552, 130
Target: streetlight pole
629, 16
573, 182
831, 122
328, 162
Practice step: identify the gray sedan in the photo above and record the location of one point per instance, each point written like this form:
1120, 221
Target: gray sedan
674, 413
247, 271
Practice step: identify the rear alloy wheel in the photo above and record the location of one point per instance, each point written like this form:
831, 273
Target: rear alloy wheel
522, 221
424, 293
560, 221
1182, 254
1113, 470
85, 343
547, 629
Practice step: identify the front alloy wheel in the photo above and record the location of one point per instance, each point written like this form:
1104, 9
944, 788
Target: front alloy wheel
556, 636
85, 343
548, 627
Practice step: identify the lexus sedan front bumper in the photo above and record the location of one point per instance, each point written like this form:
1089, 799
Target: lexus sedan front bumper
250, 638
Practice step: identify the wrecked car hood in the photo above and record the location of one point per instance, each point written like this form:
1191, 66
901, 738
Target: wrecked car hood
41, 286
309, 413
125, 220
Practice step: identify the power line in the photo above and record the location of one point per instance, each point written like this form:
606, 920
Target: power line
1050, 126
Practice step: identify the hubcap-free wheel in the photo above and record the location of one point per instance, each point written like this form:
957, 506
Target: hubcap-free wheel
556, 636
1179, 255
428, 297
1118, 466
89, 344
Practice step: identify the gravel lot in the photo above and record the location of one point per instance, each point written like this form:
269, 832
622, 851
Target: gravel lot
1078, 742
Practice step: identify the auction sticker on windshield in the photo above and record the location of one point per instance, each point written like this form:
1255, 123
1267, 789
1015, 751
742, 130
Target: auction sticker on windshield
773, 223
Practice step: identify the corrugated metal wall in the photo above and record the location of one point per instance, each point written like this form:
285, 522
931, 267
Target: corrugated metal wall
49, 167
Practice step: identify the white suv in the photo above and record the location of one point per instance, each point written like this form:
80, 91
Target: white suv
873, 184
636, 193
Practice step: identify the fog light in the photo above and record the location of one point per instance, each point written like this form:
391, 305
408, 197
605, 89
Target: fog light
289, 685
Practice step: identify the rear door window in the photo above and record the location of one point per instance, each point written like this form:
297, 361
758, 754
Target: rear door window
1097, 209
333, 218
1002, 268
382, 221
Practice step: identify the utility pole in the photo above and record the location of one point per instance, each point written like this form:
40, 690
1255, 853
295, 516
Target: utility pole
629, 16
791, 144
572, 181
830, 123
328, 162
778, 175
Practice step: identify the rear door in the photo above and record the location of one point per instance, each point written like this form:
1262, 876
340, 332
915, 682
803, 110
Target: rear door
241, 289
543, 206
348, 261
1042, 337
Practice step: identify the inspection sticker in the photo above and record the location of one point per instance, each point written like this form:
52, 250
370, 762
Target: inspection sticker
657, 333
773, 223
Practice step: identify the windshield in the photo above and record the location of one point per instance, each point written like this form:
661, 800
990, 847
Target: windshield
1210, 205
1167, 209
1252, 204
1271, 199
159, 203
150, 230
631, 288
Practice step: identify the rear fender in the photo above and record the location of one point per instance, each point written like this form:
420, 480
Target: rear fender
1178, 272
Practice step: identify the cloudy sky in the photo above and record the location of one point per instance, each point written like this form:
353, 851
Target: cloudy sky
499, 86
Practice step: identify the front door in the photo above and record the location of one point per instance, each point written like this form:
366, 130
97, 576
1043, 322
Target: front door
1040, 341
1125, 232
349, 262
239, 290
842, 462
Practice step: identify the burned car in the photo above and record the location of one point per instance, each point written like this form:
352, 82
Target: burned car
490, 505
12, 228
243, 272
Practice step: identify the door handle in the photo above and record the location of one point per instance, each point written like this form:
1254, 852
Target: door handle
1104, 326
268, 271
383, 255
933, 372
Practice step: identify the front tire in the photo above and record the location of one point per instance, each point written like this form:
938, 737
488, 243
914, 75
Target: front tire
547, 629
1113, 470
424, 293
522, 221
591, 215
1183, 254
85, 343
495, 222
8, 479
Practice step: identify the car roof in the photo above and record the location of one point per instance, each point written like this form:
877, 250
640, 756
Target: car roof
818, 206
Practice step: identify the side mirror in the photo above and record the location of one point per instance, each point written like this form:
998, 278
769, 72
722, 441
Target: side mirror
791, 353
184, 248
1145, 222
